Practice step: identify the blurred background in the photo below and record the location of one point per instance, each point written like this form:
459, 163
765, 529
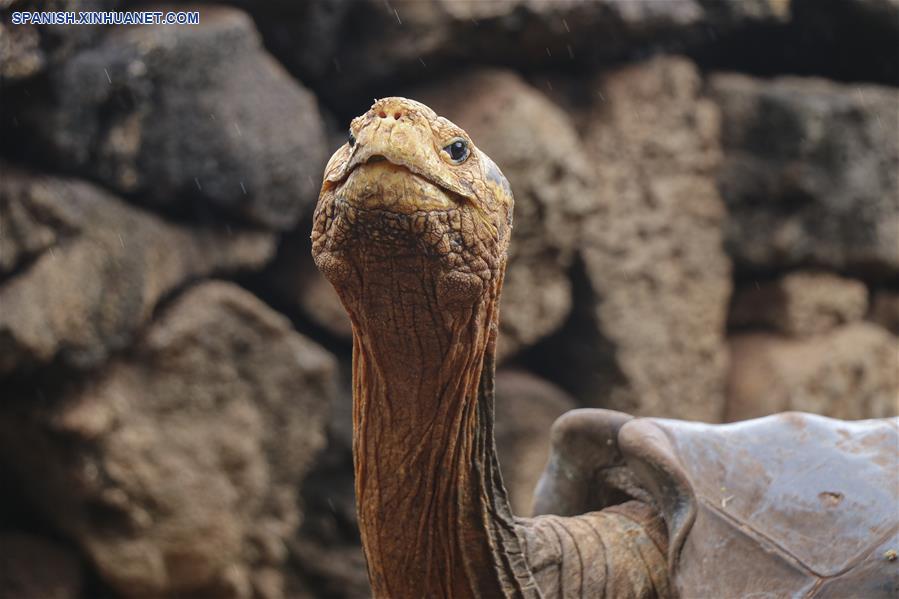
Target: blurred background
706, 227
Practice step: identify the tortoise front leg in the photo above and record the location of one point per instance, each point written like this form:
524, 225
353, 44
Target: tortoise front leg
619, 552
595, 534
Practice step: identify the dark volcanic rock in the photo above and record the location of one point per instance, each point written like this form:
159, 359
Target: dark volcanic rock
862, 38
175, 470
87, 269
647, 333
306, 35
35, 568
535, 145
173, 114
843, 40
408, 39
811, 173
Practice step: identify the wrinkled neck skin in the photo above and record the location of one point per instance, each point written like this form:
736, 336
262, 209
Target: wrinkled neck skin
433, 514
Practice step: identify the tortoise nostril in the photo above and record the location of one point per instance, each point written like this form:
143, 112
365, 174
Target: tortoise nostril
382, 114
397, 115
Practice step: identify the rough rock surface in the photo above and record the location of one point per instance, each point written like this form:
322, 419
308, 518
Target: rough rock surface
647, 335
811, 173
885, 310
407, 38
84, 270
35, 568
800, 303
172, 114
20, 52
526, 407
27, 49
539, 152
175, 470
847, 373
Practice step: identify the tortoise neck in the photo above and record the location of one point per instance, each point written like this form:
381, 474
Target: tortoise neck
433, 513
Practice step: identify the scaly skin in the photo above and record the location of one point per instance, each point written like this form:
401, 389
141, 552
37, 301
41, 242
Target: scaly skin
415, 245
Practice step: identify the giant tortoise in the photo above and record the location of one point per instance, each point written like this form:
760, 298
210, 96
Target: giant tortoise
411, 228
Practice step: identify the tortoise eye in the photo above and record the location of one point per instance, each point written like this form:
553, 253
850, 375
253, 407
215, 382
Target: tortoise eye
351, 139
457, 150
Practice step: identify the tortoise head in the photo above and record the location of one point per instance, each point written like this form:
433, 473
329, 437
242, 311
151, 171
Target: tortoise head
410, 190
411, 228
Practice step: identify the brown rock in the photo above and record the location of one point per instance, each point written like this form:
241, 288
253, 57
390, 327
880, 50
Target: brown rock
526, 407
811, 173
177, 114
176, 469
538, 150
647, 335
847, 373
885, 310
35, 568
89, 269
800, 303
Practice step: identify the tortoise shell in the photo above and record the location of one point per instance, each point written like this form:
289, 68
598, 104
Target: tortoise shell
790, 505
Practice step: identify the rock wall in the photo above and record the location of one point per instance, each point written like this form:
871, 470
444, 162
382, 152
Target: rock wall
647, 333
706, 227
